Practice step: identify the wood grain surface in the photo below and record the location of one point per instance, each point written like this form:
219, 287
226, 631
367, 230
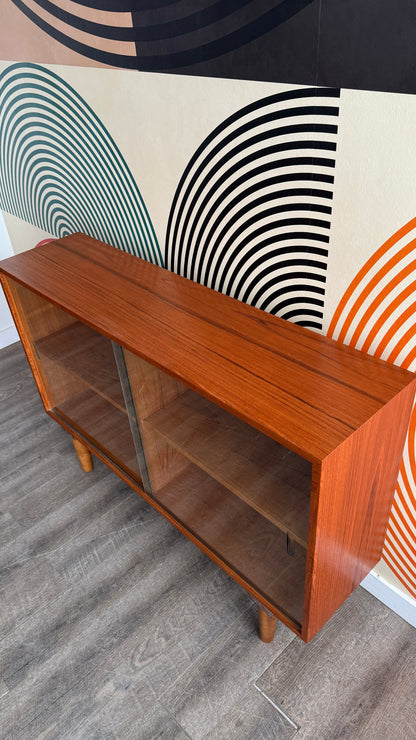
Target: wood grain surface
305, 390
350, 510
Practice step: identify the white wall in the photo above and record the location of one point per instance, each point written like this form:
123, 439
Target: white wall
8, 333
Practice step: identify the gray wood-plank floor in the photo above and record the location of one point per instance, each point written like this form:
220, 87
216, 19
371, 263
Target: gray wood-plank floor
113, 625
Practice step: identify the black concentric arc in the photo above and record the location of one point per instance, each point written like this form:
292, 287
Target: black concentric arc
160, 35
251, 216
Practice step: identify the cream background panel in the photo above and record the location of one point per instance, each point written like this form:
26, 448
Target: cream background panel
374, 193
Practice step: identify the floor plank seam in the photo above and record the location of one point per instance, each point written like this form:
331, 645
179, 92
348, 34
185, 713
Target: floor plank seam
174, 719
276, 656
203, 653
275, 706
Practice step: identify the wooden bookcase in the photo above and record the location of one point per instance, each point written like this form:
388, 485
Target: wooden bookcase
271, 447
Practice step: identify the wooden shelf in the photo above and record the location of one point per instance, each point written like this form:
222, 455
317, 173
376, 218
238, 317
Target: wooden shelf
109, 428
268, 477
247, 542
87, 354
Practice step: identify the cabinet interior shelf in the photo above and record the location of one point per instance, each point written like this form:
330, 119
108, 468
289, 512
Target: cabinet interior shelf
268, 477
239, 536
87, 354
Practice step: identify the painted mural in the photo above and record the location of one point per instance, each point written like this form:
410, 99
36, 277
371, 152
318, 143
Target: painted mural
61, 171
359, 44
275, 162
209, 37
251, 214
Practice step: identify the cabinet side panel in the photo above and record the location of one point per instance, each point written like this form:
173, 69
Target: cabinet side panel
356, 491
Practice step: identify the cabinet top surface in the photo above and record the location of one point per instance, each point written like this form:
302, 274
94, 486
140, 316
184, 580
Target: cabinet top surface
308, 392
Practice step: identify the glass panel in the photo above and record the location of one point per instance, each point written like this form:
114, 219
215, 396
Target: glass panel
80, 371
240, 493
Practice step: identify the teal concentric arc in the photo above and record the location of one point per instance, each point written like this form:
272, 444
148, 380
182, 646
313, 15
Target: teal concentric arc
60, 169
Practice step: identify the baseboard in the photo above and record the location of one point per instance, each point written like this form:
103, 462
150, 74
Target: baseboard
396, 600
8, 336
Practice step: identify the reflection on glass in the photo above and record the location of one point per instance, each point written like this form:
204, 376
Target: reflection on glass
80, 370
244, 497
240, 493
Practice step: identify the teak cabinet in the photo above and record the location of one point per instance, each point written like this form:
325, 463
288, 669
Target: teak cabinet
271, 447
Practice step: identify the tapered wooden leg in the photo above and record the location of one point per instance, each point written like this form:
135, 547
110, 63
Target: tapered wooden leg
267, 625
84, 455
